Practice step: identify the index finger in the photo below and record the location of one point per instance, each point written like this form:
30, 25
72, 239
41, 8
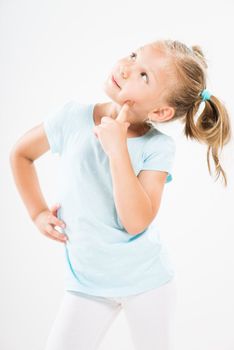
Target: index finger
122, 116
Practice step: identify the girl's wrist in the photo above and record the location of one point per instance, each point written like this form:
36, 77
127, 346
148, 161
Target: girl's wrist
118, 153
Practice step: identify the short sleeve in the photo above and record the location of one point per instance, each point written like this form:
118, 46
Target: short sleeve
59, 125
159, 153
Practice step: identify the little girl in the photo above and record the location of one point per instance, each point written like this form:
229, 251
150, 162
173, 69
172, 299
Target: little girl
114, 163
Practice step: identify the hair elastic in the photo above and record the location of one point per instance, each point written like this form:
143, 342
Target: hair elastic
205, 94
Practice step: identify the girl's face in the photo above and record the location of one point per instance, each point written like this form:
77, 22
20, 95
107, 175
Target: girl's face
141, 78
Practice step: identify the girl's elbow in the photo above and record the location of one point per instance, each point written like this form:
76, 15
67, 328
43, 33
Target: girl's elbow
135, 230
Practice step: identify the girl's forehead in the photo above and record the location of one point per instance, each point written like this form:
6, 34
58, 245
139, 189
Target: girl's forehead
152, 50
153, 56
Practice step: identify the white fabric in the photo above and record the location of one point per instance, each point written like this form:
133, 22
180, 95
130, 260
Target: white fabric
83, 320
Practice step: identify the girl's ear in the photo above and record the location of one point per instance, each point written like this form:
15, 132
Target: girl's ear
162, 114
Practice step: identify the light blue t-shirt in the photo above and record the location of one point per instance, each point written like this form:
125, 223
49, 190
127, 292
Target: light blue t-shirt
101, 257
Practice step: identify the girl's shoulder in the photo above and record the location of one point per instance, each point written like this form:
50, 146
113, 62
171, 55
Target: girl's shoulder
62, 123
159, 138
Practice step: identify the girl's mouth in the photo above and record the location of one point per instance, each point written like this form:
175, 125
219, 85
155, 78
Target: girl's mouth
114, 81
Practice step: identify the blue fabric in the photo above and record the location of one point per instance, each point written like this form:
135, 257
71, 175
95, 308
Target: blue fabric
101, 257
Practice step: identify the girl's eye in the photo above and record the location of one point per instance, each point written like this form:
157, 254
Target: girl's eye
143, 73
133, 54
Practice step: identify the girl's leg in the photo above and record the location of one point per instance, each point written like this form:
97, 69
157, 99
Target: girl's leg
81, 322
151, 317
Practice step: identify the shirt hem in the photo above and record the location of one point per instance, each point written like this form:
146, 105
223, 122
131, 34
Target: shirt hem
118, 292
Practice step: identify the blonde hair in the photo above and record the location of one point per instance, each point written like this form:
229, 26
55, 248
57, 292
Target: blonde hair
213, 127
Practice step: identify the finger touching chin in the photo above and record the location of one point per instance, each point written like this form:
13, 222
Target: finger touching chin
129, 102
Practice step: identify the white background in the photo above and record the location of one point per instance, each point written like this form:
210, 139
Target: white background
53, 51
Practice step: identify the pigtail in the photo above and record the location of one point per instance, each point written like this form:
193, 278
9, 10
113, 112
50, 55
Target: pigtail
212, 127
187, 92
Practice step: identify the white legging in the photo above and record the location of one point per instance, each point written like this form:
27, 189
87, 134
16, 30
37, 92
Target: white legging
83, 320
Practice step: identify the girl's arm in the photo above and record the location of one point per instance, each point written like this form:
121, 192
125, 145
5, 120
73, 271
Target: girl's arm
137, 200
28, 148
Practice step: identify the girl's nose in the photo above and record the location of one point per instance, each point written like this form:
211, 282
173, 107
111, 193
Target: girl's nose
124, 72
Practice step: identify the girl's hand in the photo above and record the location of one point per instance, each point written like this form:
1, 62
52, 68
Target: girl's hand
47, 220
112, 133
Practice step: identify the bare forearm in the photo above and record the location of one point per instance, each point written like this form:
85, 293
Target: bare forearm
132, 202
27, 183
